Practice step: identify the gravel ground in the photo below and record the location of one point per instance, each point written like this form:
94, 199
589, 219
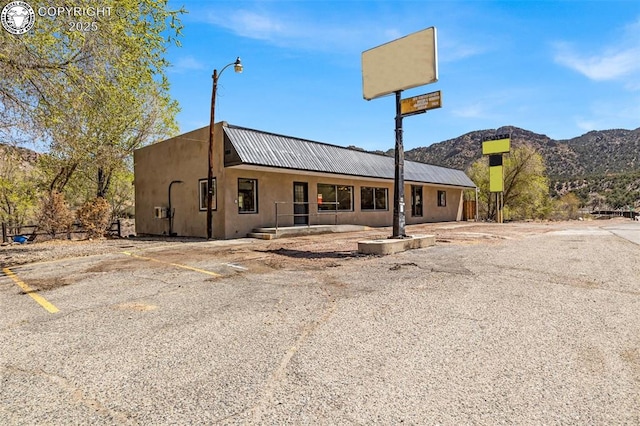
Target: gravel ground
497, 324
19, 254
13, 254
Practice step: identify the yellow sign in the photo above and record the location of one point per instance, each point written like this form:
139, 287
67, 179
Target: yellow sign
496, 147
421, 103
496, 183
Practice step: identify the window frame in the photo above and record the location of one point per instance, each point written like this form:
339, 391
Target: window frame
332, 208
442, 198
202, 197
255, 196
374, 191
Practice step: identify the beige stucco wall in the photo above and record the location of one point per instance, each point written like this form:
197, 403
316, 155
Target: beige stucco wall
431, 212
185, 158
276, 186
155, 166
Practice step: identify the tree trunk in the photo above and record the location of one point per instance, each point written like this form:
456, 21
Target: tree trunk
104, 180
62, 178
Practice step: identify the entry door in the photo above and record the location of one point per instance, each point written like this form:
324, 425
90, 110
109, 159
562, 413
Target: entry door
300, 203
416, 200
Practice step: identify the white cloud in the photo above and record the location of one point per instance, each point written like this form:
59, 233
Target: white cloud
451, 50
599, 67
306, 28
471, 111
186, 63
251, 24
294, 29
586, 125
614, 62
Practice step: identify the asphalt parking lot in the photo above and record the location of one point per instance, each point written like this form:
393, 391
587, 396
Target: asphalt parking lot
514, 323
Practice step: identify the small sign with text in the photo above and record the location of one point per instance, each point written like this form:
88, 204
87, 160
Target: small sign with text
421, 103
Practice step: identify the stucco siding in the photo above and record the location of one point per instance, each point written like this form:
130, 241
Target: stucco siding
155, 166
278, 186
184, 158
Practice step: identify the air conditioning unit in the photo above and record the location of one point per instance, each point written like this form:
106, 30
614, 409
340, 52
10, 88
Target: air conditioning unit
160, 212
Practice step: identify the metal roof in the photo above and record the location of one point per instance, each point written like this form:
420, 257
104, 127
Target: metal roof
271, 150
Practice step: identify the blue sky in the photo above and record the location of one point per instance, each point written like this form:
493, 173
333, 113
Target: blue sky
559, 68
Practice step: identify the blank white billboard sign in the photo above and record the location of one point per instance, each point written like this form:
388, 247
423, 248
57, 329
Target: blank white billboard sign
407, 62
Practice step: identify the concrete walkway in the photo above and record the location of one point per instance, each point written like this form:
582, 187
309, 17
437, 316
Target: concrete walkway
629, 231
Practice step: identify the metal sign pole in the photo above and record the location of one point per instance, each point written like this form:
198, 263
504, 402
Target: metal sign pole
398, 182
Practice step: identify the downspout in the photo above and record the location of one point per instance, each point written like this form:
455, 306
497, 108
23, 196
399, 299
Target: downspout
170, 212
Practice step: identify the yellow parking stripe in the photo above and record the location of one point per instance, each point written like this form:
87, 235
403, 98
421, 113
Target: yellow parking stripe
177, 265
31, 292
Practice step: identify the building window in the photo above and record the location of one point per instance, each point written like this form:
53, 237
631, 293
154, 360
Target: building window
373, 198
247, 195
203, 195
416, 200
335, 197
442, 198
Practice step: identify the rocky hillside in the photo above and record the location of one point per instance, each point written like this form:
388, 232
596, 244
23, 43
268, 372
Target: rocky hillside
601, 167
595, 153
22, 158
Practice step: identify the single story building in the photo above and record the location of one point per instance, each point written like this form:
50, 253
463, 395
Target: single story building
262, 179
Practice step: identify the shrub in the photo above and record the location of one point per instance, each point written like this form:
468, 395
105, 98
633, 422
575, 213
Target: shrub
94, 217
55, 216
566, 207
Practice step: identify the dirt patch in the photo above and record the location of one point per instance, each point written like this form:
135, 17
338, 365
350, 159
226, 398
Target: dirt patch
310, 252
48, 284
306, 254
128, 264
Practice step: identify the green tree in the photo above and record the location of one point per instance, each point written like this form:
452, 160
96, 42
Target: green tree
526, 186
121, 195
18, 193
93, 96
566, 207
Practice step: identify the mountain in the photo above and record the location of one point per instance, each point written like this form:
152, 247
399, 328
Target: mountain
601, 167
21, 157
16, 160
592, 154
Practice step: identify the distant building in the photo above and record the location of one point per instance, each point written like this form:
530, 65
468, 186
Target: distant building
253, 170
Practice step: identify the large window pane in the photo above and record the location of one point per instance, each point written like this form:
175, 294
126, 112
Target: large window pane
381, 199
335, 197
345, 197
328, 195
366, 198
373, 198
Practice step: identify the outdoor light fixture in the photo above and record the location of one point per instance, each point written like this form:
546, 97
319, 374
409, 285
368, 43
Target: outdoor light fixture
237, 67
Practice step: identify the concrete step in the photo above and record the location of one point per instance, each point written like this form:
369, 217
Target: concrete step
295, 231
262, 235
264, 230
